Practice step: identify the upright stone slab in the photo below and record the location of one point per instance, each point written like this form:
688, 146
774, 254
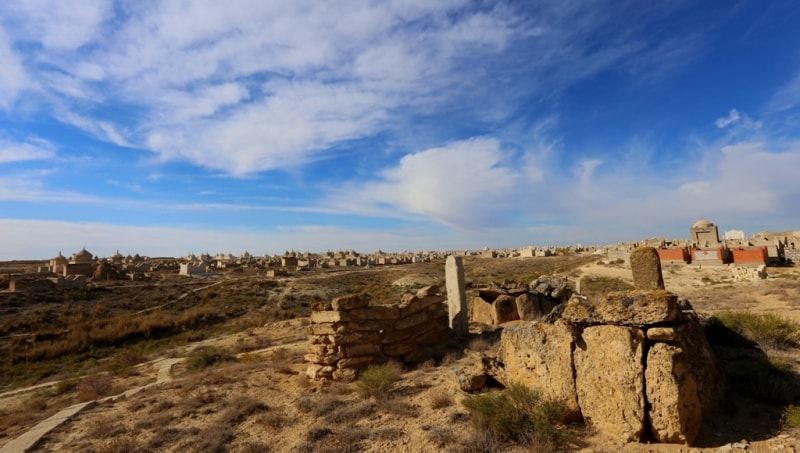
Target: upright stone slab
646, 267
609, 380
456, 295
675, 409
539, 355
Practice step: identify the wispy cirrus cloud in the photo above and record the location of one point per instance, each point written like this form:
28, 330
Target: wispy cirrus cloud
260, 85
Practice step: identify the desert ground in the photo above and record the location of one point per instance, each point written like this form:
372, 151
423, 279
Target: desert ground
234, 378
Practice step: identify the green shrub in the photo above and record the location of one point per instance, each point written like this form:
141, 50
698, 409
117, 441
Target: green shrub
767, 330
378, 381
518, 414
791, 416
205, 357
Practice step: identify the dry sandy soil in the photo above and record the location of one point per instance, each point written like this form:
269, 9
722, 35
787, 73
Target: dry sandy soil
261, 401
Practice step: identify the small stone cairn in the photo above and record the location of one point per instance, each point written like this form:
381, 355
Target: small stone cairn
349, 334
629, 363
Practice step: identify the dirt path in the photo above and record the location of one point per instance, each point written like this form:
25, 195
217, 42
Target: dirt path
30, 438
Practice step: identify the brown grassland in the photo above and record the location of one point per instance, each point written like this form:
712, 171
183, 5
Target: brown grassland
241, 386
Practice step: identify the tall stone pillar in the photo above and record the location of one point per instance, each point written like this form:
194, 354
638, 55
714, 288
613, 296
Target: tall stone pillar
456, 295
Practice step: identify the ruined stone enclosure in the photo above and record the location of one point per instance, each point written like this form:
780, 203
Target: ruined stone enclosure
635, 365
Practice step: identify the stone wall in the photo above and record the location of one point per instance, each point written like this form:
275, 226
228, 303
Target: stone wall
349, 334
792, 254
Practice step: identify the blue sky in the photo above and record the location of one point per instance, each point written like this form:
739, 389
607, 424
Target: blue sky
164, 128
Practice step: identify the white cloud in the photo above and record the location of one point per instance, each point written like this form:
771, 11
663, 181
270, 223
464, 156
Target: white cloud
733, 116
786, 97
465, 184
60, 25
34, 149
13, 78
252, 85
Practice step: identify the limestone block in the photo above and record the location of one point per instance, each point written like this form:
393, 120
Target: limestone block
505, 309
399, 348
428, 291
411, 321
329, 316
418, 303
692, 340
397, 335
355, 362
377, 312
367, 325
665, 334
675, 410
539, 355
579, 310
646, 269
356, 337
627, 308
491, 293
609, 379
349, 301
529, 306
481, 311
358, 350
325, 328
433, 338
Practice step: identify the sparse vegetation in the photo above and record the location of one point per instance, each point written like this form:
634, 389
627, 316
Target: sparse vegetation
768, 330
378, 380
518, 414
205, 357
791, 416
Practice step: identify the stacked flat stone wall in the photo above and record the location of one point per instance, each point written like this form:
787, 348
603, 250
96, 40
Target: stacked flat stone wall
349, 334
792, 255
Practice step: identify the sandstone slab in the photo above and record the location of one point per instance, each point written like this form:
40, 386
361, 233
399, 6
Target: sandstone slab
675, 410
609, 380
538, 355
625, 308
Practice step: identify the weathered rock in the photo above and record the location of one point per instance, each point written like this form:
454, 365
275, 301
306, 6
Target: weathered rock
481, 311
329, 316
428, 291
609, 380
539, 355
552, 286
349, 301
470, 380
626, 308
675, 410
505, 310
528, 308
665, 334
691, 338
646, 269
491, 293
344, 374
